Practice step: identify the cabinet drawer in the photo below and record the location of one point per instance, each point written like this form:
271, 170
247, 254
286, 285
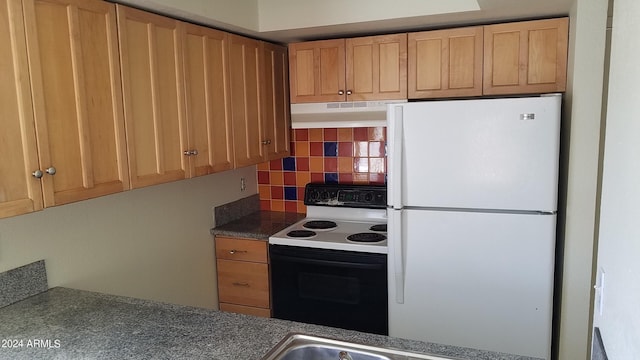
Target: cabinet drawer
249, 310
241, 249
243, 283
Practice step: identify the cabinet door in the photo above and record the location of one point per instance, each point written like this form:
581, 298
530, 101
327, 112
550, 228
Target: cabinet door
73, 58
526, 57
20, 192
153, 83
317, 71
208, 100
377, 67
445, 63
244, 62
275, 102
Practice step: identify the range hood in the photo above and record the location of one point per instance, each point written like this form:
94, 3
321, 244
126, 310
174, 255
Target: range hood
340, 114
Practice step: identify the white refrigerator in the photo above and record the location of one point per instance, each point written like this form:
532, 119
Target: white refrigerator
472, 200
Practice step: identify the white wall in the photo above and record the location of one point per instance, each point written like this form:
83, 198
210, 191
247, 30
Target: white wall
296, 14
619, 243
581, 129
151, 243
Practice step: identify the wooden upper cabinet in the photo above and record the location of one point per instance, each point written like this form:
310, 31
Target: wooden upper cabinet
275, 102
365, 68
20, 192
77, 99
317, 71
208, 100
376, 67
445, 63
153, 83
244, 79
526, 57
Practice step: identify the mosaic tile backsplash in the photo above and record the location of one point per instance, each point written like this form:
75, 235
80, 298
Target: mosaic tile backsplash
331, 155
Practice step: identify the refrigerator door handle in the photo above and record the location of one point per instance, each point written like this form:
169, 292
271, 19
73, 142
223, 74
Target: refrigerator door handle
396, 158
398, 254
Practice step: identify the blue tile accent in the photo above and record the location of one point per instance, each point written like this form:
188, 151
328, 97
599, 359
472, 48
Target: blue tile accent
290, 193
331, 178
330, 148
289, 164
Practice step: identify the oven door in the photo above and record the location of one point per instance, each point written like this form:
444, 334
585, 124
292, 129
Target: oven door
344, 289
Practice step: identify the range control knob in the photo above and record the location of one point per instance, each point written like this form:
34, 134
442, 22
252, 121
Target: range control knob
324, 195
368, 197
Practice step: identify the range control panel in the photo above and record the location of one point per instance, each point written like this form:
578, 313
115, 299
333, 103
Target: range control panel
346, 195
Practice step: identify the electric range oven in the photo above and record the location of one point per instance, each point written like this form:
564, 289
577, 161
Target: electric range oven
331, 267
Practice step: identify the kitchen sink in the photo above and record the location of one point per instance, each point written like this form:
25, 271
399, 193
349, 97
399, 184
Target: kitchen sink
306, 347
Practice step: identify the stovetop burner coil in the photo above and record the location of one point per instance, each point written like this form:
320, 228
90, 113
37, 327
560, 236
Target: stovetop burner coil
379, 227
301, 234
320, 224
366, 237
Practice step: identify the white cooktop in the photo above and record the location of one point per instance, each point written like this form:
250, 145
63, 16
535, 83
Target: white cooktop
334, 238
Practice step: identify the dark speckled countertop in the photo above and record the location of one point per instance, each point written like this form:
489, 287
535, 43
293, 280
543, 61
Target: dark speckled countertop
72, 324
258, 225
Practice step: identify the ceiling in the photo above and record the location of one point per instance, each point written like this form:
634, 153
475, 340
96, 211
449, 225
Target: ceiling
287, 21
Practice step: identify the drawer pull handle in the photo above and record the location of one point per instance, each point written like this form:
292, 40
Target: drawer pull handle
240, 284
233, 251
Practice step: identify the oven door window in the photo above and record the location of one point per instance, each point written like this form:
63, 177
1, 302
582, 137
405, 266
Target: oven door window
328, 287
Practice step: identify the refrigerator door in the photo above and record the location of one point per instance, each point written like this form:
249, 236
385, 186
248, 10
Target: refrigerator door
472, 279
479, 154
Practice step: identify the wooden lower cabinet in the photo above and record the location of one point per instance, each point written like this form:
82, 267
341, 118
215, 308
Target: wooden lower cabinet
243, 276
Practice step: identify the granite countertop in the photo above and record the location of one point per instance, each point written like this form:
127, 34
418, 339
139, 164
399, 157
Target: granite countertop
258, 225
72, 324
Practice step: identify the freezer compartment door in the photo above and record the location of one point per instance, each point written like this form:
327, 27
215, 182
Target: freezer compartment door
479, 280
482, 154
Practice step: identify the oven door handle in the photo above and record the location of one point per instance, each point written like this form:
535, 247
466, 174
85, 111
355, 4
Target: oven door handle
331, 263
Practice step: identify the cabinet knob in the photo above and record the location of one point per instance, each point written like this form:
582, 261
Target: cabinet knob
51, 170
233, 251
194, 152
190, 152
37, 174
348, 92
340, 92
240, 284
266, 142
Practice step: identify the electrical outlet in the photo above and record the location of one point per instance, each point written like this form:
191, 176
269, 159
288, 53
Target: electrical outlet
599, 301
243, 184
